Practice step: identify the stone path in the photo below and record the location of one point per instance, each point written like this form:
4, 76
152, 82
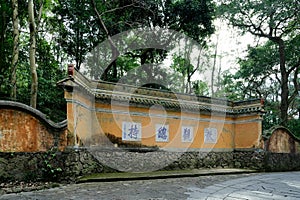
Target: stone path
259, 187
229, 187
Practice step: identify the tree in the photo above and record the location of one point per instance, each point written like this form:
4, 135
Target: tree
33, 28
214, 67
76, 28
50, 97
259, 81
5, 47
252, 81
97, 21
34, 78
15, 54
233, 87
263, 81
274, 20
15, 82
187, 70
200, 88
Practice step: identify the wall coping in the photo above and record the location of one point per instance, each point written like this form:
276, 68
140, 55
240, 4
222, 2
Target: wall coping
34, 112
109, 92
267, 134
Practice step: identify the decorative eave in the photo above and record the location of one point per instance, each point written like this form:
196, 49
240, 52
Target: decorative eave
116, 93
179, 104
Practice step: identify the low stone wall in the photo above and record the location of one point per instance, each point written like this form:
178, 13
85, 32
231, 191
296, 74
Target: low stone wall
47, 166
71, 164
131, 161
282, 162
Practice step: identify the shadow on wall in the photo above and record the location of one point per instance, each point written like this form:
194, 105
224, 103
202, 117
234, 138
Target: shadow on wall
24, 129
281, 140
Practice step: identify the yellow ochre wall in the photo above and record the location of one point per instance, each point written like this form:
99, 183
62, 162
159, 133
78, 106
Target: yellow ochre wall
248, 135
96, 110
92, 120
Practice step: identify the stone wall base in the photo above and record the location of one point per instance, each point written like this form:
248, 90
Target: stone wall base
73, 163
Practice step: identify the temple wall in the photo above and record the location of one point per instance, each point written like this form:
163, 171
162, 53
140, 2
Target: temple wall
248, 131
111, 123
105, 114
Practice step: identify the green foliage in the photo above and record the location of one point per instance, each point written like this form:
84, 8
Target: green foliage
200, 88
262, 18
263, 81
50, 97
75, 27
6, 45
294, 127
182, 65
193, 18
50, 168
266, 57
69, 29
271, 118
231, 86
270, 70
257, 77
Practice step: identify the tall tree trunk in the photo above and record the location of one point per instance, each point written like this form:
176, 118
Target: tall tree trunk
115, 52
32, 53
114, 72
3, 28
77, 53
214, 68
284, 84
219, 75
15, 54
189, 84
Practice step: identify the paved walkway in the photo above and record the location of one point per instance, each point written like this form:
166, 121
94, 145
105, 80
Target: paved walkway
211, 187
259, 187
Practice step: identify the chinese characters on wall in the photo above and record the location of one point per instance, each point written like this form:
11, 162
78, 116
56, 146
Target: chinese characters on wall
210, 135
162, 133
132, 131
187, 134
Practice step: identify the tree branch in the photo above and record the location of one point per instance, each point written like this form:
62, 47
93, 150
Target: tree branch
39, 15
115, 52
296, 84
290, 27
252, 24
271, 28
277, 78
115, 9
296, 66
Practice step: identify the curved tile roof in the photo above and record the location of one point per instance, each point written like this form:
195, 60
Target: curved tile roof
120, 93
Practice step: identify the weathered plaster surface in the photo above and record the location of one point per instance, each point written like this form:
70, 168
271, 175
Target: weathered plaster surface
23, 129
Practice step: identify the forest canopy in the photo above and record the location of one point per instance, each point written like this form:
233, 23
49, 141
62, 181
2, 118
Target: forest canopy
38, 38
